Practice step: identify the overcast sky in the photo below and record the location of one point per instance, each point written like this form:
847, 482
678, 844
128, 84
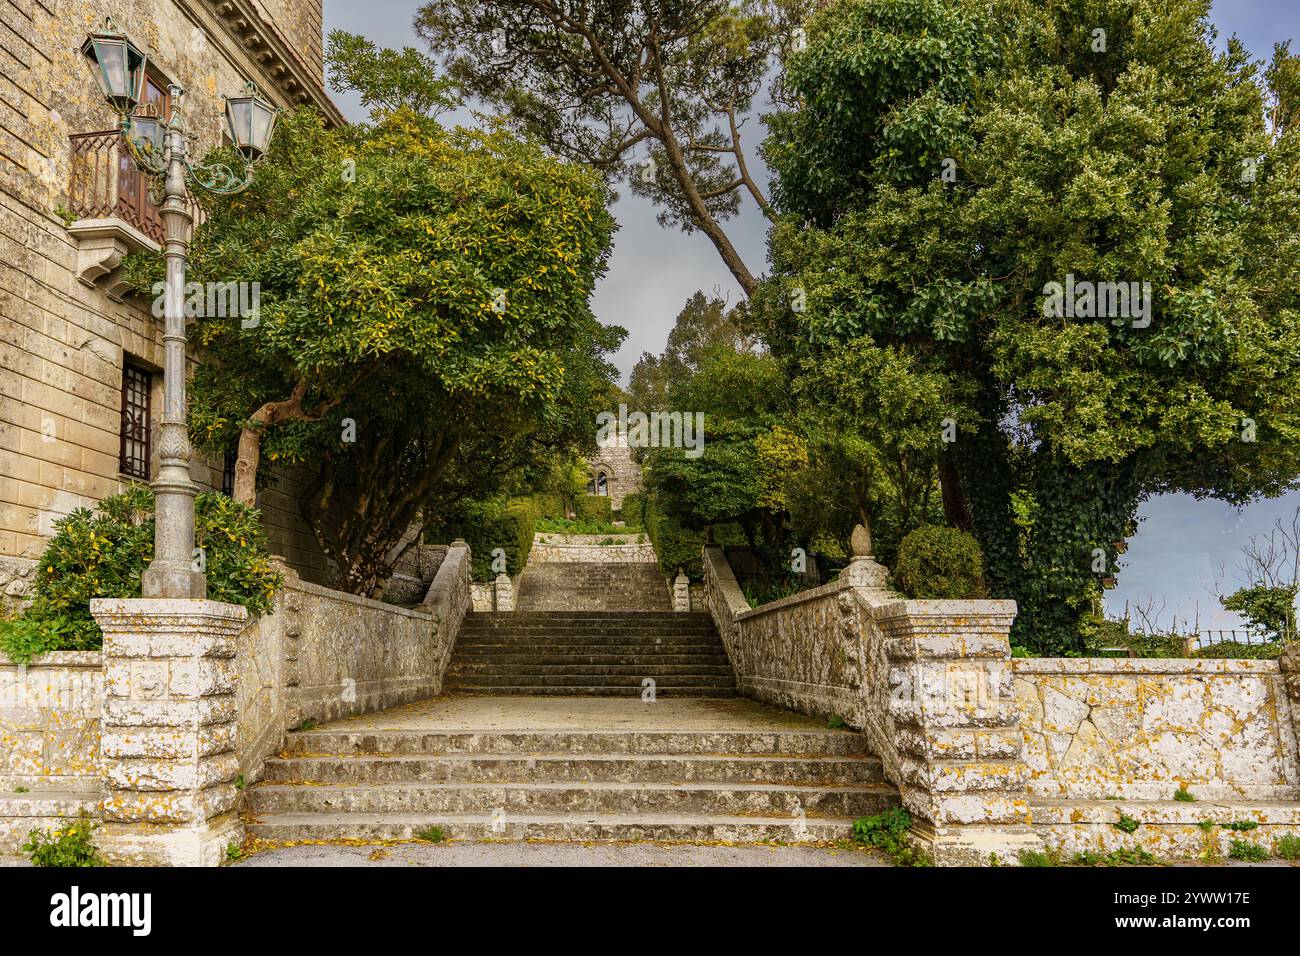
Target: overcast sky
1184, 551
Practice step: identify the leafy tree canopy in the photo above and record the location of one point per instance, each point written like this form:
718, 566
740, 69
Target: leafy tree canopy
949, 160
424, 316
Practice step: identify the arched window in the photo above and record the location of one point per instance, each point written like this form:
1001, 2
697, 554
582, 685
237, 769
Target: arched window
602, 484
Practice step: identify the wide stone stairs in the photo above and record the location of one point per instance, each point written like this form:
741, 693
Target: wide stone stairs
593, 586
763, 777
590, 654
576, 719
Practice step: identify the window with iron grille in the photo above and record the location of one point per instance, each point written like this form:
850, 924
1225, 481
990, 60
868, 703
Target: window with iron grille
137, 405
228, 472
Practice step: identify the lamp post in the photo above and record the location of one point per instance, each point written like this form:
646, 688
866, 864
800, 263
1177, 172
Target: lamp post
159, 146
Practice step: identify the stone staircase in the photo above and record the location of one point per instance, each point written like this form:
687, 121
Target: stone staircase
602, 783
590, 654
593, 586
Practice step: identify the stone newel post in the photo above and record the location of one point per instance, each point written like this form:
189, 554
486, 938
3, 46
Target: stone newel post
504, 597
681, 592
168, 730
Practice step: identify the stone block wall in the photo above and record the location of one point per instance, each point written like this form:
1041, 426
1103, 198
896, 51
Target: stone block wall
49, 722
802, 652
64, 341
1140, 729
591, 548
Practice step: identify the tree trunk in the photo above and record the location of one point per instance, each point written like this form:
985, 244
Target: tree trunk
250, 453
956, 509
250, 439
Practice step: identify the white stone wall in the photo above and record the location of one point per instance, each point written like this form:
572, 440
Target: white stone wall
591, 548
49, 721
1140, 729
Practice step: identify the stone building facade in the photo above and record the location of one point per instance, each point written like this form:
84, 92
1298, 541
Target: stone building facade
613, 471
80, 359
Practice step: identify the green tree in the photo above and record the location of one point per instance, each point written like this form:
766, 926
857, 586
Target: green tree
702, 324
656, 92
424, 323
950, 159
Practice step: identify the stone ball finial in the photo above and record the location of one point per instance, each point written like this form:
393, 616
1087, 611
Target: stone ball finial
861, 541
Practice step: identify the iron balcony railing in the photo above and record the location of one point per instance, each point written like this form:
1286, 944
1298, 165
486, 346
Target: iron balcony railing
106, 184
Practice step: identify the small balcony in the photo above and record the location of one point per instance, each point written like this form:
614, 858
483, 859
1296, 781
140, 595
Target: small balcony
107, 185
115, 215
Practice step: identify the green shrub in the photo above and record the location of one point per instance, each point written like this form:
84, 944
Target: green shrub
550, 504
758, 592
888, 831
1183, 795
1245, 850
675, 546
1038, 858
102, 553
576, 526
491, 524
633, 510
67, 846
431, 834
938, 562
1234, 650
1288, 847
593, 508
1126, 823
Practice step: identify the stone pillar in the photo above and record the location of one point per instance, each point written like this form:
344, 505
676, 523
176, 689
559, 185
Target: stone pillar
1290, 665
954, 725
681, 592
864, 571
505, 593
168, 730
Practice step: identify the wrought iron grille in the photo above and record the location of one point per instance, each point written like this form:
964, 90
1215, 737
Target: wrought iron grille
228, 472
137, 405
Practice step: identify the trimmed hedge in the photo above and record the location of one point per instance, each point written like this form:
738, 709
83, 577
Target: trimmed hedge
488, 525
550, 504
593, 508
938, 562
675, 546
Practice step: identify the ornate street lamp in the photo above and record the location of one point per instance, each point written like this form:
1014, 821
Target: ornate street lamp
159, 146
118, 64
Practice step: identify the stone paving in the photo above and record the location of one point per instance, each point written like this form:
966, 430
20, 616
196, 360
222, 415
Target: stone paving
499, 714
564, 854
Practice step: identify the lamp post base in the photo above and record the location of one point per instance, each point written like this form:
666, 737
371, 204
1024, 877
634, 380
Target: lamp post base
161, 581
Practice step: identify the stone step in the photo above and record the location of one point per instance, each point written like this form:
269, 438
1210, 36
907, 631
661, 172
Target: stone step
595, 690
599, 766
625, 638
679, 828
743, 799
578, 628
566, 768
660, 743
476, 618
629, 667
512, 654
517, 678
